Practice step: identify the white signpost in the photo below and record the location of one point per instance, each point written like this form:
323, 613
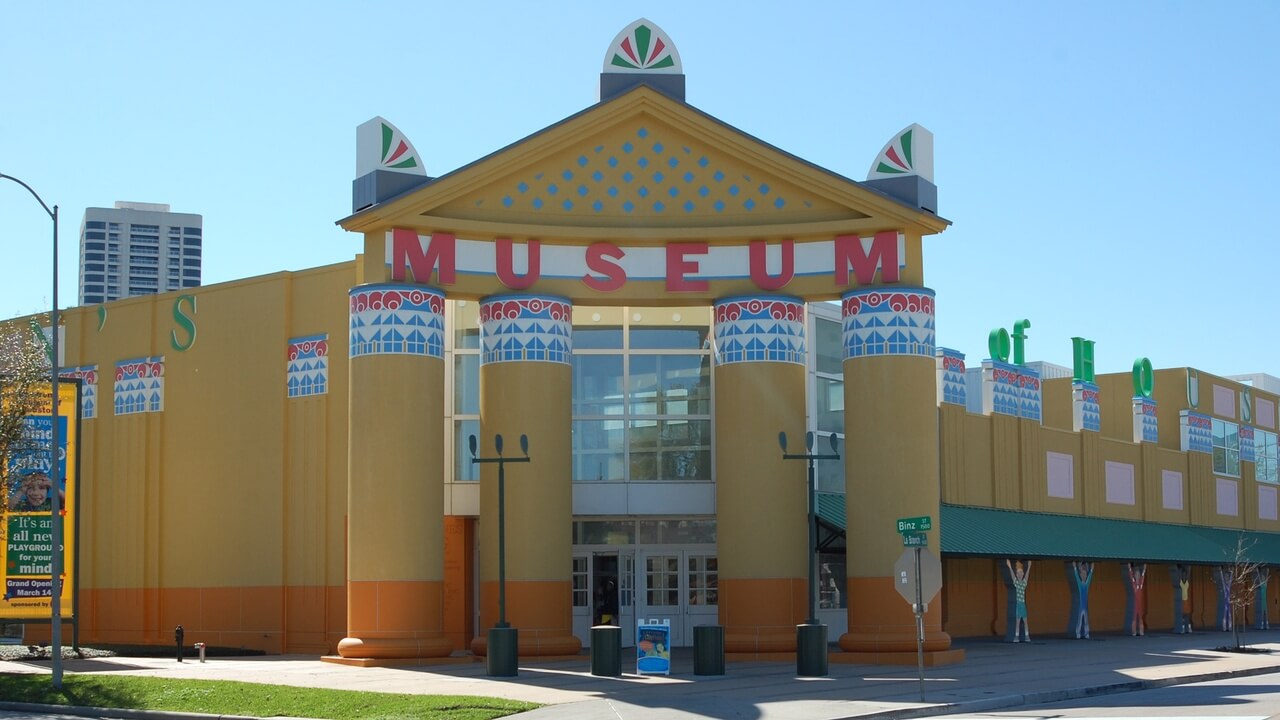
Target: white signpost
917, 577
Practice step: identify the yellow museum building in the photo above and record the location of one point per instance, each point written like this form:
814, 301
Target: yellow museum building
649, 296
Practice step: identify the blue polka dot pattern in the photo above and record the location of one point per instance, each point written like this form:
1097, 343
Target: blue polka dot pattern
623, 175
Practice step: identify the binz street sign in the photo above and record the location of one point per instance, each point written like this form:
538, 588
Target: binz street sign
915, 524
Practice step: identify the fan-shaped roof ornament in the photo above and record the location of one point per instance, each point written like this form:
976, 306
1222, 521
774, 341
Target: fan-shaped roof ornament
904, 169
381, 146
642, 47
642, 54
910, 152
387, 164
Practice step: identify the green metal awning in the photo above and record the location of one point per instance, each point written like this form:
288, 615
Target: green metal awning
1011, 533
831, 521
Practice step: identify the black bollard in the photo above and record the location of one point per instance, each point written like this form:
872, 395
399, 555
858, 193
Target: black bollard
177, 636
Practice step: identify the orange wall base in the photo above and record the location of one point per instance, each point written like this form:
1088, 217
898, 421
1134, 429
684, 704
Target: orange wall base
395, 619
306, 619
760, 615
881, 621
459, 579
977, 602
541, 610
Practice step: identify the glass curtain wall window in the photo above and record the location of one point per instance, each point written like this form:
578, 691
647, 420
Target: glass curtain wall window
1265, 450
1226, 448
828, 399
642, 395
466, 388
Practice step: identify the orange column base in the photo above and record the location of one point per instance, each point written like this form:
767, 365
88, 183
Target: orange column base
881, 621
542, 610
391, 619
760, 615
385, 648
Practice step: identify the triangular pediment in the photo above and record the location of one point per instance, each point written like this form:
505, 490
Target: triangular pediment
641, 160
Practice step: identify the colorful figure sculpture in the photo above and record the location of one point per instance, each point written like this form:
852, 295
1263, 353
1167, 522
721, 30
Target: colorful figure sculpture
1182, 599
1018, 576
1136, 574
1082, 575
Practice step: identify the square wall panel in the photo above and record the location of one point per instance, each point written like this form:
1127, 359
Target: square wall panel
1171, 485
1061, 475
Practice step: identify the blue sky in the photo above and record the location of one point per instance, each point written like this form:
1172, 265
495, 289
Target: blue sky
1110, 168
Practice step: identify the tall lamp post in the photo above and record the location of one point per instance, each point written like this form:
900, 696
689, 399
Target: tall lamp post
55, 587
503, 640
811, 637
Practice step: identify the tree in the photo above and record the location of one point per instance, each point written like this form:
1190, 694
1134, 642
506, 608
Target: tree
1241, 579
24, 391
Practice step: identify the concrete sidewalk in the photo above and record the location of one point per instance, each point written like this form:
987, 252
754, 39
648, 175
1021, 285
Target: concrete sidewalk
995, 675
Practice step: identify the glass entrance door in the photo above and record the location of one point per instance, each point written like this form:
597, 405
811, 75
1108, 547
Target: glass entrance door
604, 593
681, 586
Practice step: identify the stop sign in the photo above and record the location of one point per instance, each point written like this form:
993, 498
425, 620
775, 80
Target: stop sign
904, 575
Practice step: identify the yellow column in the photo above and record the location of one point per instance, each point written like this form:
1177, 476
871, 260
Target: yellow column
526, 385
761, 499
395, 498
891, 470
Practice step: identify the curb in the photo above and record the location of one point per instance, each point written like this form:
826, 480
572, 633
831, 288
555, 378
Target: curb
125, 713
1053, 696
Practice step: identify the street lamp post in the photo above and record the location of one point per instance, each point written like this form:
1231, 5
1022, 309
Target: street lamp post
811, 637
55, 587
503, 640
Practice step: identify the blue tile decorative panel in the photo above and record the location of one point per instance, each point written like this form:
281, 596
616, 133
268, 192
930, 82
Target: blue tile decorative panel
760, 329
307, 367
1246, 444
139, 386
523, 328
1145, 426
951, 382
1197, 432
1009, 389
1086, 406
396, 320
888, 321
648, 163
88, 377
1029, 400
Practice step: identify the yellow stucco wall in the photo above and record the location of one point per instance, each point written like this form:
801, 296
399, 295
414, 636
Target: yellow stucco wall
213, 516
1000, 461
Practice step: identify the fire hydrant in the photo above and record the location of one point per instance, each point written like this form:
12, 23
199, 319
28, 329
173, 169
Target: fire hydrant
200, 648
177, 636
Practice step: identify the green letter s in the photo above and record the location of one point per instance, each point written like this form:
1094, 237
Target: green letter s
184, 322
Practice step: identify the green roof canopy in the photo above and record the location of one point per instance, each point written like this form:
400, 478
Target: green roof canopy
1011, 533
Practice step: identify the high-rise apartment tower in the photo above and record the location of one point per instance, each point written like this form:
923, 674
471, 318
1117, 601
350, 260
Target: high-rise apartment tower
137, 249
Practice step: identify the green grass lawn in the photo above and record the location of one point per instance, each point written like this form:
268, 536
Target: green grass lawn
224, 697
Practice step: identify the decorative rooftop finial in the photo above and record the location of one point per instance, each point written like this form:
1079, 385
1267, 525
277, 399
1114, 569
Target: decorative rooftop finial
387, 164
904, 169
642, 54
910, 152
381, 146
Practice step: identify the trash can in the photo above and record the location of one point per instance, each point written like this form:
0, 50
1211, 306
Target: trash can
504, 652
811, 650
606, 650
708, 650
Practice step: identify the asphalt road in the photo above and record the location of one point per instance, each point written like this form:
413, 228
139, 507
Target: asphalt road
12, 715
1251, 698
